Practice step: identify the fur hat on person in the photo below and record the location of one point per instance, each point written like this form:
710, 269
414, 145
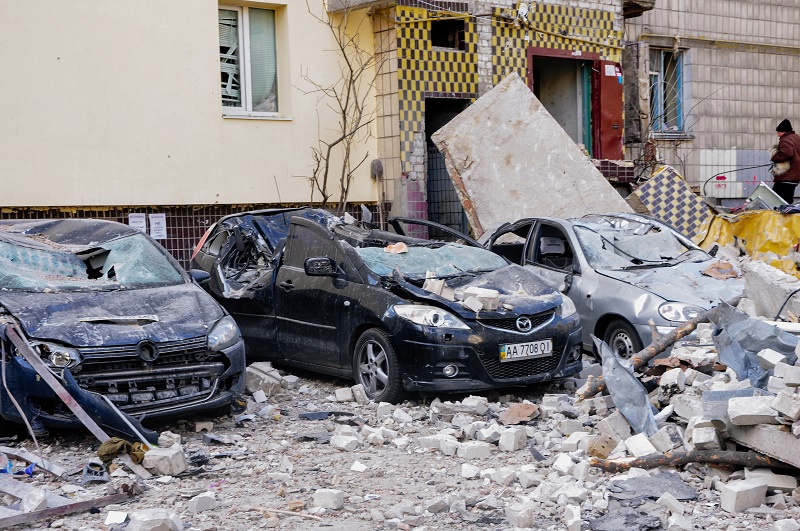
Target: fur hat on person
784, 127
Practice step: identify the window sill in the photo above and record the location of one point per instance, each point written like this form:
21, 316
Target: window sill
255, 116
672, 136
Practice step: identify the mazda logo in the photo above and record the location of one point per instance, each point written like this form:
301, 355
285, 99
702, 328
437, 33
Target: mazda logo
148, 351
524, 324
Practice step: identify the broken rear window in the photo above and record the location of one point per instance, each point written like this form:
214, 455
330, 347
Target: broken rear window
132, 262
444, 261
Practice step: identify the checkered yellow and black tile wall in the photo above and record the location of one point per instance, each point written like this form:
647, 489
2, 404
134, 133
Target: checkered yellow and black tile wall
428, 71
554, 26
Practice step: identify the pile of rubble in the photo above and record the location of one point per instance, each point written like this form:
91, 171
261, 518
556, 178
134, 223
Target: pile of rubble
704, 437
306, 454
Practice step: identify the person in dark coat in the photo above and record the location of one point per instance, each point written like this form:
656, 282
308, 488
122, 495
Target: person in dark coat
787, 151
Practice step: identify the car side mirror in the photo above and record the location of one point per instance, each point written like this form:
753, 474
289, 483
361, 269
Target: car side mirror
320, 267
199, 276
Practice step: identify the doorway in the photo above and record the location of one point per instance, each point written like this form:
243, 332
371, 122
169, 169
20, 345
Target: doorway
444, 206
564, 86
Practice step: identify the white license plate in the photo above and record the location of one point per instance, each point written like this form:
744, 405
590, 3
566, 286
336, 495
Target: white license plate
521, 351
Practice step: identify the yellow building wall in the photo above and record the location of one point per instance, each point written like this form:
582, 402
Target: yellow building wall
118, 103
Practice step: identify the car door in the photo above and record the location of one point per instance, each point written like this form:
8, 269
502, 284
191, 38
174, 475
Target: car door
309, 309
555, 255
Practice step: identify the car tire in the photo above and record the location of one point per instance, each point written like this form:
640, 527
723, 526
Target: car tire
622, 338
375, 367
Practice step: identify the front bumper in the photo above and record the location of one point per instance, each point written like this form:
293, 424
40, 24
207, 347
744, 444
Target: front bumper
173, 388
424, 352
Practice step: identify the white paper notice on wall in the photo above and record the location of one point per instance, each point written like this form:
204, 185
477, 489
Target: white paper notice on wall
158, 226
611, 70
138, 221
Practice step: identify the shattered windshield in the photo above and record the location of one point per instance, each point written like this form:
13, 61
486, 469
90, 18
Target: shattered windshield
132, 262
444, 261
618, 243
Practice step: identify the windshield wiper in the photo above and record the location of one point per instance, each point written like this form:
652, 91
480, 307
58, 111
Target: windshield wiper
121, 319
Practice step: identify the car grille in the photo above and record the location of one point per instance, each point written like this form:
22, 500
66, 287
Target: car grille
185, 371
519, 368
538, 320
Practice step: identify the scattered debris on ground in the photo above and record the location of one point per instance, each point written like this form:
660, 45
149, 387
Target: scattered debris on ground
700, 431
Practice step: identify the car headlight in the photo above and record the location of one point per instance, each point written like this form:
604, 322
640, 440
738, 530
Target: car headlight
429, 316
55, 355
679, 311
224, 334
567, 306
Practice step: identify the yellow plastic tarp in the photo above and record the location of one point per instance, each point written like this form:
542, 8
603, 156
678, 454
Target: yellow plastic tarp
759, 232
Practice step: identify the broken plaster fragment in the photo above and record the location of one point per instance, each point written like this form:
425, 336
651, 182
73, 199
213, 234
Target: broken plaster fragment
473, 304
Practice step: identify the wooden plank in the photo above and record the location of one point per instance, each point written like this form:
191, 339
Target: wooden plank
50, 512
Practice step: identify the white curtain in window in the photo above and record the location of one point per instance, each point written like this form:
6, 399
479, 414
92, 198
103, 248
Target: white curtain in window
262, 60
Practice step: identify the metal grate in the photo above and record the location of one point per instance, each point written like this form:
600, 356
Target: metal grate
519, 368
537, 320
185, 224
444, 206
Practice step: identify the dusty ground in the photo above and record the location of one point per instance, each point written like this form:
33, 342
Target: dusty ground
399, 486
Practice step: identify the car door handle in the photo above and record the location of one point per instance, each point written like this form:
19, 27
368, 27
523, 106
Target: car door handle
287, 285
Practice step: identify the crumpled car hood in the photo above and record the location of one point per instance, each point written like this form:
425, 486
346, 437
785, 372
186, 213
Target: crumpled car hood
523, 290
682, 283
184, 311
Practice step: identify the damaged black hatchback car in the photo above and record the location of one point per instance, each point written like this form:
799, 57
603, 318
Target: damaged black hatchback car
393, 312
113, 316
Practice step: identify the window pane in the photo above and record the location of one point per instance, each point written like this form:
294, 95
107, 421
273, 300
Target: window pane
672, 91
262, 60
229, 57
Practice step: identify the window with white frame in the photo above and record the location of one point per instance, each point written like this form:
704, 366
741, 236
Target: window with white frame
666, 91
247, 60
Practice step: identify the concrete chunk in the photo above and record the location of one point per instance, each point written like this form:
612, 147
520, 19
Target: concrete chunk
154, 520
673, 378
602, 446
563, 464
165, 461
489, 298
706, 439
768, 358
513, 439
769, 440
572, 442
344, 394
615, 425
669, 501
329, 498
774, 481
667, 438
550, 154
787, 405
639, 445
749, 411
737, 496
261, 375
203, 502
520, 514
475, 450
789, 373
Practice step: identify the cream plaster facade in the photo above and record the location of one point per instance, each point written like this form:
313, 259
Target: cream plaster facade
118, 103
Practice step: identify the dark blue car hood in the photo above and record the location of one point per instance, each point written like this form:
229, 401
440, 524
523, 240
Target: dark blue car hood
184, 311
